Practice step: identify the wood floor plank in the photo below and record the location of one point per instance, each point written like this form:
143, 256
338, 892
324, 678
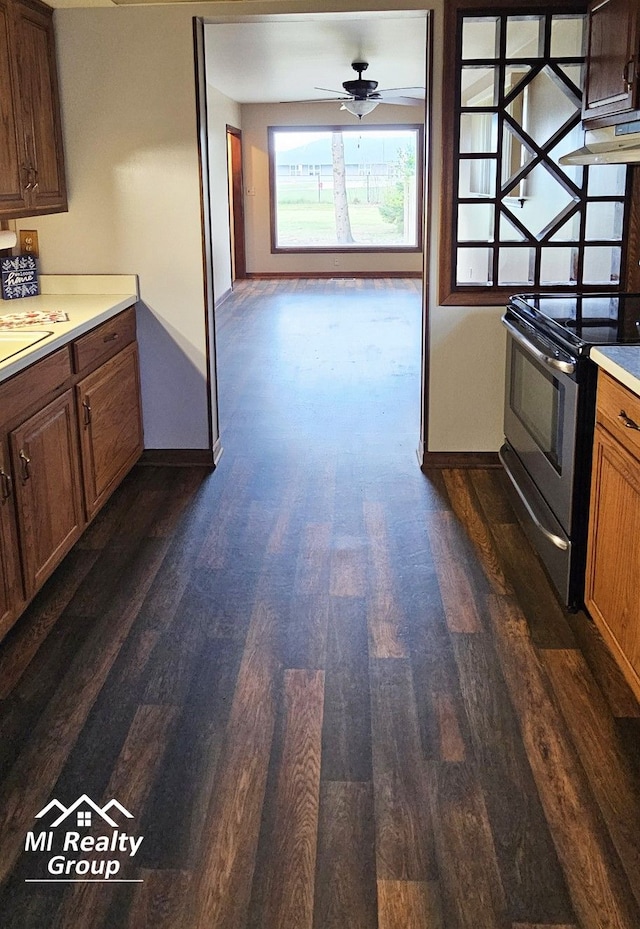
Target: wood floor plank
216, 554
598, 656
524, 848
472, 892
22, 644
546, 618
160, 901
615, 786
346, 733
404, 834
467, 509
60, 724
598, 886
345, 886
130, 783
458, 595
408, 905
285, 899
175, 813
223, 880
450, 737
346, 744
384, 612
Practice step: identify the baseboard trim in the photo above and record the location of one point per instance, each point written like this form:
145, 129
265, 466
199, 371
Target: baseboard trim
459, 460
225, 296
180, 457
217, 452
301, 275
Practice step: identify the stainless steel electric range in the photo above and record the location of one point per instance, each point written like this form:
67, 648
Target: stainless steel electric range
549, 418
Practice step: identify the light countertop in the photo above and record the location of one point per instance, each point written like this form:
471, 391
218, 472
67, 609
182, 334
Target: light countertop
87, 299
621, 362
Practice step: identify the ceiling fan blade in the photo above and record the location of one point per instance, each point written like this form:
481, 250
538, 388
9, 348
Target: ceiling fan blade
319, 100
330, 90
404, 91
404, 101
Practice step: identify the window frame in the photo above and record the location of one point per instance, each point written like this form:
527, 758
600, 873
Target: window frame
449, 291
418, 128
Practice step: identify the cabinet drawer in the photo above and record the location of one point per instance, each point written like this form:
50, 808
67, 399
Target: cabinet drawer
618, 410
25, 391
104, 341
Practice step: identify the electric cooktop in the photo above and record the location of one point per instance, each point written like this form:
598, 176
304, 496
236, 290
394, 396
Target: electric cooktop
583, 320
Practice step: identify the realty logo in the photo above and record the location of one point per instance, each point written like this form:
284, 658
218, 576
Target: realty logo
99, 854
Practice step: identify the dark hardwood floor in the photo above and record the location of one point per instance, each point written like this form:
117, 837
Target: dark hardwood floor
334, 692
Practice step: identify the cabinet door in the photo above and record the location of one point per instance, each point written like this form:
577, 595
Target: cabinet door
12, 154
111, 425
613, 569
10, 590
46, 466
612, 58
38, 88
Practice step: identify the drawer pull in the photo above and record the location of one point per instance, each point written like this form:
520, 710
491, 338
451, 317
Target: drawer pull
86, 408
26, 461
629, 423
110, 338
7, 484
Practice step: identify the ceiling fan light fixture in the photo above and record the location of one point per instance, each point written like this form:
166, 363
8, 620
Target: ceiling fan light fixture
359, 108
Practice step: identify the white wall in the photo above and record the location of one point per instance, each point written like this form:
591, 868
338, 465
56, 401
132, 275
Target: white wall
128, 99
127, 87
256, 119
221, 112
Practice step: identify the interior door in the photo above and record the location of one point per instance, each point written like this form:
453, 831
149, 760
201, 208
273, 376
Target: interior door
236, 205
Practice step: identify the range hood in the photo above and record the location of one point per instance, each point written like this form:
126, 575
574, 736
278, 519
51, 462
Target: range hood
612, 152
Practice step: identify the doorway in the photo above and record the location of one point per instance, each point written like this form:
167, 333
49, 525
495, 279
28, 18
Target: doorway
223, 93
236, 208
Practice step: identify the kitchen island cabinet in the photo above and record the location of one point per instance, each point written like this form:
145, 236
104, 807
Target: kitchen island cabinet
613, 560
32, 175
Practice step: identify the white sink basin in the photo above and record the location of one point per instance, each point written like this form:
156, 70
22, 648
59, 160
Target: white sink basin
13, 341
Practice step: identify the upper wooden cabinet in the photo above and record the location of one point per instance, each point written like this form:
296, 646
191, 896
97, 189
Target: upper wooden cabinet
32, 179
613, 45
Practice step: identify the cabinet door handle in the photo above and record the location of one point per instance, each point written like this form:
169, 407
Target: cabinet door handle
26, 462
110, 338
629, 423
7, 484
628, 75
86, 409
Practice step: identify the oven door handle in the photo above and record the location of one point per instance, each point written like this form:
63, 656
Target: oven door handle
566, 367
556, 540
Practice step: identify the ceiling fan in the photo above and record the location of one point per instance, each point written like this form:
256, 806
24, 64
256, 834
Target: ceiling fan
363, 96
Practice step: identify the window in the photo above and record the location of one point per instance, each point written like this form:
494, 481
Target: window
517, 219
338, 189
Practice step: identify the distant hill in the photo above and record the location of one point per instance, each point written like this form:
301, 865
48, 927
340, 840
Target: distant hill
358, 150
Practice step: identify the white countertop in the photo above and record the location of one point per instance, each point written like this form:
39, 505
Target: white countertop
87, 299
621, 362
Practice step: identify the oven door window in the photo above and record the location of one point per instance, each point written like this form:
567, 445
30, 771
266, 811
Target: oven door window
537, 399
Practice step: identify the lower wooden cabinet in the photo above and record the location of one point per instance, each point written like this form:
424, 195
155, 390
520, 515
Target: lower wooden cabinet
10, 585
110, 425
70, 430
613, 570
48, 488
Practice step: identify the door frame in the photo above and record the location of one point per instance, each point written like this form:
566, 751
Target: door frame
236, 204
201, 113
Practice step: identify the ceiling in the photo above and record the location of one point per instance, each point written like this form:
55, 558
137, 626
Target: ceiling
283, 60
